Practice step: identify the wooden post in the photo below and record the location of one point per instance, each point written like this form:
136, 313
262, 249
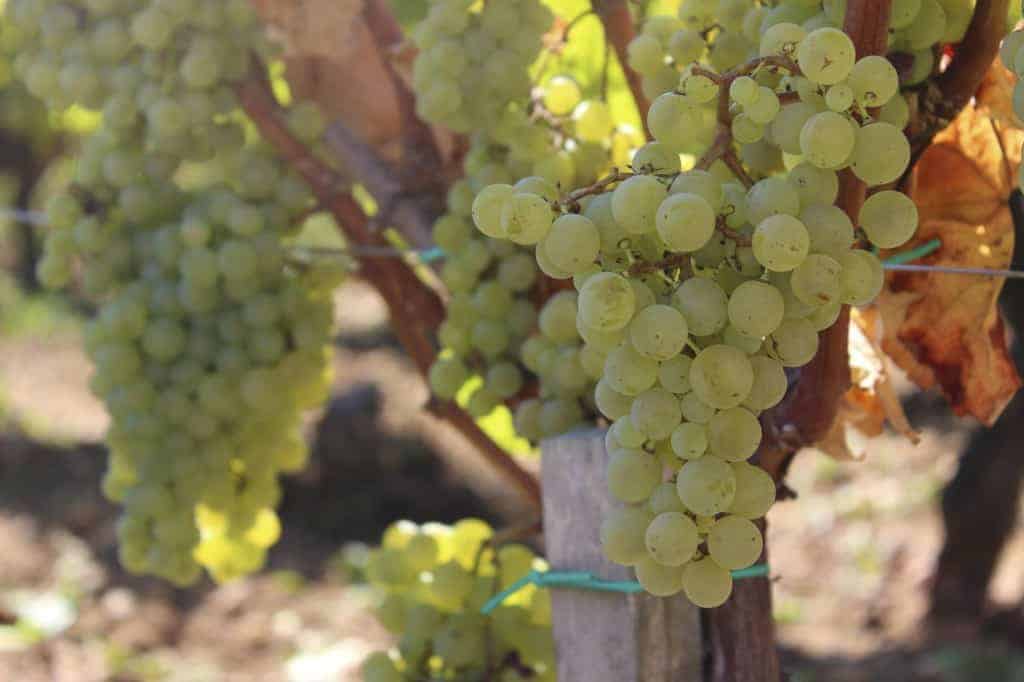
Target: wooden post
601, 636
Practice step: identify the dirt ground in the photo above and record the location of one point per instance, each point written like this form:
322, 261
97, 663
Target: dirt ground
851, 557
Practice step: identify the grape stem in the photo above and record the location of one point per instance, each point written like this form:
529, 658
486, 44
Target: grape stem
619, 33
416, 310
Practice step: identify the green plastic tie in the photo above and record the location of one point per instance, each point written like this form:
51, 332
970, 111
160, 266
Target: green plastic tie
581, 580
919, 252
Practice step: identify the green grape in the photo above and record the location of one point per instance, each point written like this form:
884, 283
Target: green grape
889, 219
655, 413
769, 197
874, 81
734, 434
622, 534
781, 242
627, 434
827, 139
787, 126
696, 410
706, 584
840, 97
592, 121
573, 243
703, 184
635, 203
764, 110
826, 56
706, 485
735, 543
659, 579
825, 316
881, 153
781, 39
488, 207
645, 54
814, 185
703, 304
769, 385
526, 419
655, 158
928, 26
610, 402
794, 343
504, 379
721, 376
674, 374
378, 667
526, 218
607, 302
665, 499
628, 372
547, 267
671, 538
745, 130
829, 228
756, 308
685, 46
658, 332
744, 91
862, 277
674, 121
561, 95
604, 341
690, 440
685, 222
816, 280
755, 491
557, 319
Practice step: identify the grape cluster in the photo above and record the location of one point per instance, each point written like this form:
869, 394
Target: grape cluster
435, 579
209, 341
693, 292
484, 49
550, 135
1011, 53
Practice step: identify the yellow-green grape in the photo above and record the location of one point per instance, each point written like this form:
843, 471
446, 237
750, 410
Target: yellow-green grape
707, 486
622, 534
889, 219
610, 402
655, 413
659, 579
781, 39
816, 280
815, 186
674, 121
722, 376
862, 277
488, 207
826, 56
839, 97
703, 304
690, 440
561, 95
378, 667
874, 81
829, 228
646, 54
665, 499
695, 410
628, 372
755, 491
633, 475
795, 342
756, 308
573, 243
734, 542
827, 139
447, 375
881, 153
781, 242
592, 121
656, 158
526, 218
685, 222
674, 374
734, 434
703, 184
769, 384
744, 90
607, 302
671, 538
635, 203
658, 332
706, 584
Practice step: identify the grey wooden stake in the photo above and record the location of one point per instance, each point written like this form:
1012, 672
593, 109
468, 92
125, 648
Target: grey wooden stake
602, 636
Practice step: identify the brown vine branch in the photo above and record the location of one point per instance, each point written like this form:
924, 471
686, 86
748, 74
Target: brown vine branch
955, 86
619, 32
415, 309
